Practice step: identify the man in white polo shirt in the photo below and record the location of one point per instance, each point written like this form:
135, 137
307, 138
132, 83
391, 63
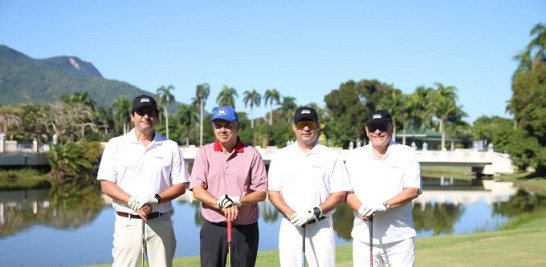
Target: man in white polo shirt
142, 172
386, 178
307, 181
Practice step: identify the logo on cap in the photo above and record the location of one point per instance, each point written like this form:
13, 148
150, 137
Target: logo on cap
221, 111
144, 100
376, 116
305, 111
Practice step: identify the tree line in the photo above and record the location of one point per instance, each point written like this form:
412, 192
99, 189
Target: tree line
76, 118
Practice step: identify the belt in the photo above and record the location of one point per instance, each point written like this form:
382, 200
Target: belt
152, 215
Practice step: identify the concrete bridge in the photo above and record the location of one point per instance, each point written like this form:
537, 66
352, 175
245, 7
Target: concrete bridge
484, 162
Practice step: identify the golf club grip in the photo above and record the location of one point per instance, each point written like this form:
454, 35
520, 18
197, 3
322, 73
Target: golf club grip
229, 231
371, 241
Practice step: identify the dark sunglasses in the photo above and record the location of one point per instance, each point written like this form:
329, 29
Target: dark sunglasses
142, 112
301, 124
380, 127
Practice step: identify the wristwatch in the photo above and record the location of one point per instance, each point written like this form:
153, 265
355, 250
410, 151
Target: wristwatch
387, 206
158, 198
317, 211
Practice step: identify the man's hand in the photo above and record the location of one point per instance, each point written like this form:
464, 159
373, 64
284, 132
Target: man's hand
299, 218
137, 201
369, 209
225, 201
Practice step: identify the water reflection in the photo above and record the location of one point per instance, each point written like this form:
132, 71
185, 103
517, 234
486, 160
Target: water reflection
22, 213
20, 210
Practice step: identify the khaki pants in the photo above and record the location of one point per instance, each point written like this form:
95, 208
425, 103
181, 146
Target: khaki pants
159, 236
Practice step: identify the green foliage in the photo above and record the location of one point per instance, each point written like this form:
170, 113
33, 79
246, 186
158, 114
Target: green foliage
74, 167
22, 179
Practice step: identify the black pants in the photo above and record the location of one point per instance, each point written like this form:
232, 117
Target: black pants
214, 245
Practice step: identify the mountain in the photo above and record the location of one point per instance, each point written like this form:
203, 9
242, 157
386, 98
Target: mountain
27, 80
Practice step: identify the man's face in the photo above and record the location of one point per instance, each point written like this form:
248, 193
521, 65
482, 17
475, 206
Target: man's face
306, 132
380, 135
225, 131
144, 119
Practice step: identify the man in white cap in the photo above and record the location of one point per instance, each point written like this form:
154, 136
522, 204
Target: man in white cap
142, 172
386, 178
307, 180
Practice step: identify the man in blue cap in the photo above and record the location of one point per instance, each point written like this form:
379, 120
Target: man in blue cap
229, 178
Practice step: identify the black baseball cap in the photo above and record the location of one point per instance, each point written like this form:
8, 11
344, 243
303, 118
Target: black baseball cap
380, 117
144, 101
305, 113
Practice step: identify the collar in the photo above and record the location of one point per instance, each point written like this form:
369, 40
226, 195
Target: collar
239, 147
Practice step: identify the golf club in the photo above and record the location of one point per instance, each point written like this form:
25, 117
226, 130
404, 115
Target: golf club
143, 242
303, 247
371, 241
229, 242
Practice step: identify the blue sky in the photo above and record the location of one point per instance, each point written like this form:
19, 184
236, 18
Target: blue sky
304, 49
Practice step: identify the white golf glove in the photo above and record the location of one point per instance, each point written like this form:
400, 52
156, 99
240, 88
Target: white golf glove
225, 201
299, 218
136, 202
368, 210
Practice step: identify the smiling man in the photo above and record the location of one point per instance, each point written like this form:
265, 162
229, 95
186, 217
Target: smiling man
386, 178
142, 172
229, 178
307, 180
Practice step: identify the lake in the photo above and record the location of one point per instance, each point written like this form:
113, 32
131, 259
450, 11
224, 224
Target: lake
37, 230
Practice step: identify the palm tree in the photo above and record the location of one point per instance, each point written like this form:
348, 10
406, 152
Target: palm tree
122, 113
186, 115
271, 96
536, 46
419, 106
201, 94
8, 117
444, 105
164, 99
226, 97
393, 104
288, 105
255, 99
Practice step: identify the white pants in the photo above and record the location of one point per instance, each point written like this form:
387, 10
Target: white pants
397, 254
159, 236
319, 244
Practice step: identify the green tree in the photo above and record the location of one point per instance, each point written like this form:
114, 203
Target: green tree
252, 98
9, 117
272, 97
533, 55
226, 97
201, 94
288, 106
420, 107
444, 105
186, 115
122, 114
164, 99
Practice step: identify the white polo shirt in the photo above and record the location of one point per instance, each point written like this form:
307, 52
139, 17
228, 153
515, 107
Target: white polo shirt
142, 170
376, 180
305, 180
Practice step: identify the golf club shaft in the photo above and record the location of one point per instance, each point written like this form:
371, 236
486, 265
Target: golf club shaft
371, 241
143, 240
303, 247
229, 242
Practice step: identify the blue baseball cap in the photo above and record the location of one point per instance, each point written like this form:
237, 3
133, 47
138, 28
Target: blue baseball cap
225, 113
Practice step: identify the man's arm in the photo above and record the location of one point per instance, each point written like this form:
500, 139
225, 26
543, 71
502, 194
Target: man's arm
173, 192
407, 195
332, 201
253, 198
201, 194
114, 191
352, 201
278, 201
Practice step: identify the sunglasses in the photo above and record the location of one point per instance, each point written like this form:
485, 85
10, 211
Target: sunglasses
381, 127
301, 124
142, 112
224, 124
